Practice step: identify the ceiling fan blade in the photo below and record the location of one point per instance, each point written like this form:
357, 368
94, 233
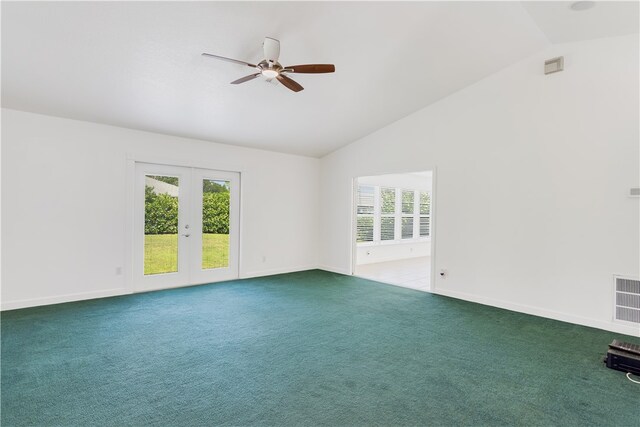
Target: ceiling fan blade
236, 61
311, 68
271, 49
245, 79
291, 84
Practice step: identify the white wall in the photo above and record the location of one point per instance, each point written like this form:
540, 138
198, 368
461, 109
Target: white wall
408, 181
64, 205
382, 252
531, 182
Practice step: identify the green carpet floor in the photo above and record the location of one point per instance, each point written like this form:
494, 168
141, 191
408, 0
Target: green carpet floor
304, 349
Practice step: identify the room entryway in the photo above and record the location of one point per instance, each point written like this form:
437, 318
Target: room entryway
393, 229
186, 226
411, 273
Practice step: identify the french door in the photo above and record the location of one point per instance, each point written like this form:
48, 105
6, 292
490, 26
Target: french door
186, 226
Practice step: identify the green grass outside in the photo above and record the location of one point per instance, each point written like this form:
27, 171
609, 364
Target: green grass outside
161, 252
215, 251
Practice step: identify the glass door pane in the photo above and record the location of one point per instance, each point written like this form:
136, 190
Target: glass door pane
215, 223
161, 224
216, 218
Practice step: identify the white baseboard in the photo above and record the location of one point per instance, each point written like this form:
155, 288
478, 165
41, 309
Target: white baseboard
58, 299
335, 270
273, 271
541, 312
536, 311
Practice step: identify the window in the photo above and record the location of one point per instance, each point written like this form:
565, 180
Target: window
425, 214
408, 211
365, 209
389, 215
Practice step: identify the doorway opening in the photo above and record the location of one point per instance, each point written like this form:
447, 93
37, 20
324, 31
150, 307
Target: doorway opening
392, 242
186, 226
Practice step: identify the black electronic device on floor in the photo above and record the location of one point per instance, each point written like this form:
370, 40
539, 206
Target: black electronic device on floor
623, 356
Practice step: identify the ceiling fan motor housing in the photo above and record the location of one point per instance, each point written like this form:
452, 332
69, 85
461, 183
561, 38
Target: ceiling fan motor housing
271, 49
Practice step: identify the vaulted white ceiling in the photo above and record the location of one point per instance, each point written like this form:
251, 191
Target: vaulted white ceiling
138, 64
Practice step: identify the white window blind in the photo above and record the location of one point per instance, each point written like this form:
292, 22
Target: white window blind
365, 210
407, 227
387, 228
425, 214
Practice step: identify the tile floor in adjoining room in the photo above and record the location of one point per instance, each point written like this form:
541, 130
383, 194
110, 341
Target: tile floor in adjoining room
412, 273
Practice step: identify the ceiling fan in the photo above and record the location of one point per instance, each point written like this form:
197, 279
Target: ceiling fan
270, 68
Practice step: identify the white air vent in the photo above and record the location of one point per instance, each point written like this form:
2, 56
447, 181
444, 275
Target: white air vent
554, 65
627, 299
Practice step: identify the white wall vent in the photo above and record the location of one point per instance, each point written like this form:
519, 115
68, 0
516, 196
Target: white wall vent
554, 65
627, 299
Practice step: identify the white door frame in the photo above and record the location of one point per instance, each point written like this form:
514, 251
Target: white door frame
131, 160
353, 235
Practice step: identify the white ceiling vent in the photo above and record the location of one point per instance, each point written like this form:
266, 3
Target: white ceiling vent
627, 299
554, 65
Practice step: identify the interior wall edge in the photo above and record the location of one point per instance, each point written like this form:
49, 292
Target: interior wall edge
338, 270
541, 312
83, 296
60, 299
274, 271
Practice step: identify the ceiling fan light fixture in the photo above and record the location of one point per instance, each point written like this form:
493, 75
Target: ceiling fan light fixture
270, 73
